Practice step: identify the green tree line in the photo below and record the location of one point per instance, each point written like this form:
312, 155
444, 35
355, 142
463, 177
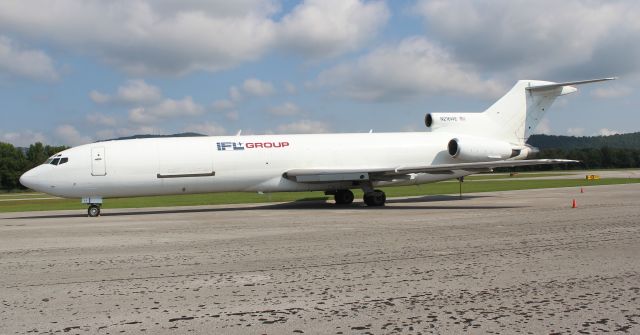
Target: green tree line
619, 141
591, 158
15, 161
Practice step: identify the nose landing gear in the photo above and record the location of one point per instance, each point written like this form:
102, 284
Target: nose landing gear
94, 210
94, 205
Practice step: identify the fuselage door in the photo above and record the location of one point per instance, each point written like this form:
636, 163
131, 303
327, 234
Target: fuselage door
98, 162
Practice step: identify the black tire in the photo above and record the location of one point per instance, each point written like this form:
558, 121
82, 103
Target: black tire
375, 199
344, 197
93, 211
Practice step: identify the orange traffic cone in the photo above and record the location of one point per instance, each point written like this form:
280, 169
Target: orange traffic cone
581, 190
573, 204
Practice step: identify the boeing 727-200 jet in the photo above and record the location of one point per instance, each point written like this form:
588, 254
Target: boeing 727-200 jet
454, 145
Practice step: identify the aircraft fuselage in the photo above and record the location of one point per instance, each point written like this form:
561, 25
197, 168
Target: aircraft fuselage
182, 165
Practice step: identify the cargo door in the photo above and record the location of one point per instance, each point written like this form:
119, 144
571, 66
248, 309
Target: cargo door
185, 158
98, 162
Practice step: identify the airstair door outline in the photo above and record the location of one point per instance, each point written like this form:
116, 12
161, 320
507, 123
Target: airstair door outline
98, 162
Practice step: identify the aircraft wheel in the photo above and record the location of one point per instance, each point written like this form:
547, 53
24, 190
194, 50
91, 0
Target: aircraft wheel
93, 211
375, 198
343, 197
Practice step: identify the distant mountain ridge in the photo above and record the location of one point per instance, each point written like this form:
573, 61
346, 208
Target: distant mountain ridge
621, 141
153, 136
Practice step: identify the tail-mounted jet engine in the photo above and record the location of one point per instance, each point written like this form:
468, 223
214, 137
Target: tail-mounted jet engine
471, 148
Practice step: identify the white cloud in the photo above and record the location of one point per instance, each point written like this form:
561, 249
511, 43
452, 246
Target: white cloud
138, 91
140, 115
23, 138
163, 37
575, 131
611, 92
133, 92
232, 115
169, 108
223, 104
68, 135
303, 127
257, 87
105, 134
571, 39
326, 28
290, 88
414, 67
234, 94
286, 109
149, 37
607, 132
24, 63
99, 98
207, 128
101, 119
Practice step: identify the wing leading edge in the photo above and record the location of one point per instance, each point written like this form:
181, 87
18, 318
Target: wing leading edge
375, 174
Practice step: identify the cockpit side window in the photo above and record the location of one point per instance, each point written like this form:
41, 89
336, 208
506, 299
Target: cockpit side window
57, 160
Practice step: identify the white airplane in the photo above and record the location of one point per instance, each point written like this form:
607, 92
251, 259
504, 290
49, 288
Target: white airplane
455, 145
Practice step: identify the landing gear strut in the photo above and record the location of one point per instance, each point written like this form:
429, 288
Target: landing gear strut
343, 197
94, 205
94, 210
375, 198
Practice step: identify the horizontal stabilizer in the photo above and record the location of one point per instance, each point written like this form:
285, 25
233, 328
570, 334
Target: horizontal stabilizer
569, 83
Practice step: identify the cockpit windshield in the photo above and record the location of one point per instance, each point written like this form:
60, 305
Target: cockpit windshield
56, 160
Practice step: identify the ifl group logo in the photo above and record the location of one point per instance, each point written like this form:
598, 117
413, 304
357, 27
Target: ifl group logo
231, 146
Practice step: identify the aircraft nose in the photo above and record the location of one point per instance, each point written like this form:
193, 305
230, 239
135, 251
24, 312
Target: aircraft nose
30, 179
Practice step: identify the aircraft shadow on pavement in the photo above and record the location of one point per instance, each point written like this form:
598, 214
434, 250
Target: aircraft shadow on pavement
397, 203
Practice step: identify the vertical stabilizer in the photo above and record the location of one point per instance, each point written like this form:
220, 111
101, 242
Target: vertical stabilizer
519, 111
515, 116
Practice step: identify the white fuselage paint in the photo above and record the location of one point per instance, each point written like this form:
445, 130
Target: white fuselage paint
125, 168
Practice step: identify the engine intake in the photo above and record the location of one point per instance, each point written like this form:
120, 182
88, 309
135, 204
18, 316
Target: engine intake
471, 148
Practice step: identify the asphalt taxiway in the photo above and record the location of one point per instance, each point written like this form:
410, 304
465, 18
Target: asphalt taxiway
500, 262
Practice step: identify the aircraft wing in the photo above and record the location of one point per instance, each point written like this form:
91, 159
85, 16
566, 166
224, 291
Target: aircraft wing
375, 174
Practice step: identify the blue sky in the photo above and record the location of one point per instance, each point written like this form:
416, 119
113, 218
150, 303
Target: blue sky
75, 71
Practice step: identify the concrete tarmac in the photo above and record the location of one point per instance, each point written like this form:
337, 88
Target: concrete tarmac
501, 262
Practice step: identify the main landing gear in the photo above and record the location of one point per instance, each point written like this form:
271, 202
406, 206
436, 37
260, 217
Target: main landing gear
94, 210
343, 197
372, 198
375, 198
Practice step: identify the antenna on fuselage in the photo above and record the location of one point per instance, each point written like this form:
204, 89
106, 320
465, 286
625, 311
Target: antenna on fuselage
239, 132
